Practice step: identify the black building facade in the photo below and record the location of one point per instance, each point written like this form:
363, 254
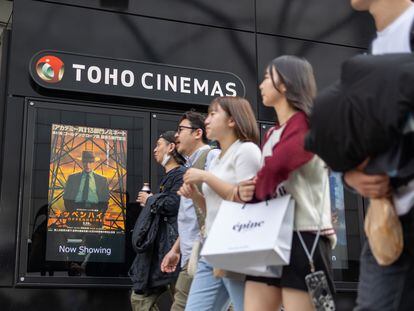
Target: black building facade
120, 59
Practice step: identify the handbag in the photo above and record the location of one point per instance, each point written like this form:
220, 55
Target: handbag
384, 231
247, 238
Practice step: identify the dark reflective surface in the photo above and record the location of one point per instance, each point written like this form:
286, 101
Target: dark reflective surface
331, 21
11, 169
236, 14
39, 26
326, 60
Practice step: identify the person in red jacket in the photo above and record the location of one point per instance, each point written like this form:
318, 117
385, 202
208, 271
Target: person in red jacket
289, 87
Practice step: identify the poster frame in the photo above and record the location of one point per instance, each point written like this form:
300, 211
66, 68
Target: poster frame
22, 277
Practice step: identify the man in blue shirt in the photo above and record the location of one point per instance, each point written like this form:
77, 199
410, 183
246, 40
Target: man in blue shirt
191, 142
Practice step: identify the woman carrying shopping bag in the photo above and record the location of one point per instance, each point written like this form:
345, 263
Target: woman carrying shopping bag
232, 124
289, 87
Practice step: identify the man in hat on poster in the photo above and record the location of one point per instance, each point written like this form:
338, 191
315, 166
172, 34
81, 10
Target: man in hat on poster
86, 191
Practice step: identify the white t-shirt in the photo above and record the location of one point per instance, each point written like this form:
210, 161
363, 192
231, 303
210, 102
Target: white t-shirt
240, 162
396, 39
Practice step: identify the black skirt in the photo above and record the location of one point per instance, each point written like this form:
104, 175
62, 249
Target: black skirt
293, 275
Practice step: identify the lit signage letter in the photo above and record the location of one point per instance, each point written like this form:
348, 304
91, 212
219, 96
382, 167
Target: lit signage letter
201, 87
216, 91
79, 69
98, 74
170, 83
230, 89
144, 84
127, 75
113, 76
158, 82
185, 84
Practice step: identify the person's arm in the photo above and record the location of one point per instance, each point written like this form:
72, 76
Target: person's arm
143, 197
245, 190
168, 202
222, 188
288, 155
172, 258
246, 161
191, 191
369, 186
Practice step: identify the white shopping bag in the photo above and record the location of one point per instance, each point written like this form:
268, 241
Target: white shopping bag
251, 236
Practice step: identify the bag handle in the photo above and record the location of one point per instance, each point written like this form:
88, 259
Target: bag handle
315, 243
245, 203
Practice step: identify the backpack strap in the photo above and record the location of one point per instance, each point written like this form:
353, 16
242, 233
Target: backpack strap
200, 163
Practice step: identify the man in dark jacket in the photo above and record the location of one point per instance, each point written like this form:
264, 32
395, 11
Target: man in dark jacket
387, 287
155, 231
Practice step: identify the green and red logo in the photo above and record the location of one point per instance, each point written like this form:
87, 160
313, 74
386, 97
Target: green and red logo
50, 68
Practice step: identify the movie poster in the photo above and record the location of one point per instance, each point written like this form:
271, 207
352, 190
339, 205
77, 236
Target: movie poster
87, 194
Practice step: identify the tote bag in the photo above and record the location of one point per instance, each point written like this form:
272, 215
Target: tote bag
251, 237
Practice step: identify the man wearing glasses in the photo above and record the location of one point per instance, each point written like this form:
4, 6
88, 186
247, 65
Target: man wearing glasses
191, 141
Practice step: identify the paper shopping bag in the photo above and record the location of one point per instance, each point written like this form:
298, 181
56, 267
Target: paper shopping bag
251, 235
384, 231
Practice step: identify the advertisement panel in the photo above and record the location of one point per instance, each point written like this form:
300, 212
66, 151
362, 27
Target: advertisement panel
87, 194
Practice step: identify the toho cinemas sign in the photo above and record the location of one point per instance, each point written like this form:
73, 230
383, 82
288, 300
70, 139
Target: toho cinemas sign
97, 75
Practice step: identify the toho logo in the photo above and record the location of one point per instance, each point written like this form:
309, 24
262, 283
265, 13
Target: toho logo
50, 69
247, 226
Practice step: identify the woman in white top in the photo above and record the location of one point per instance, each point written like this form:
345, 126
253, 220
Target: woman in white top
231, 122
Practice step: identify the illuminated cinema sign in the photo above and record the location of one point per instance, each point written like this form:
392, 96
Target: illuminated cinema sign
97, 75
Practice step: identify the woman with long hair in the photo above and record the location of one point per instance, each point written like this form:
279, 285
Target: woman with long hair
232, 124
289, 87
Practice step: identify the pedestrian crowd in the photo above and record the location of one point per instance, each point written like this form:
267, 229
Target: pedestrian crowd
362, 126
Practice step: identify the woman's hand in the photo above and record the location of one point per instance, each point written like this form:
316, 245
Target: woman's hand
189, 191
195, 176
143, 197
246, 189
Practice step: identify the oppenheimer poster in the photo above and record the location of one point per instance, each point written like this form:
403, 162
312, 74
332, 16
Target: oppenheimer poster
87, 194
